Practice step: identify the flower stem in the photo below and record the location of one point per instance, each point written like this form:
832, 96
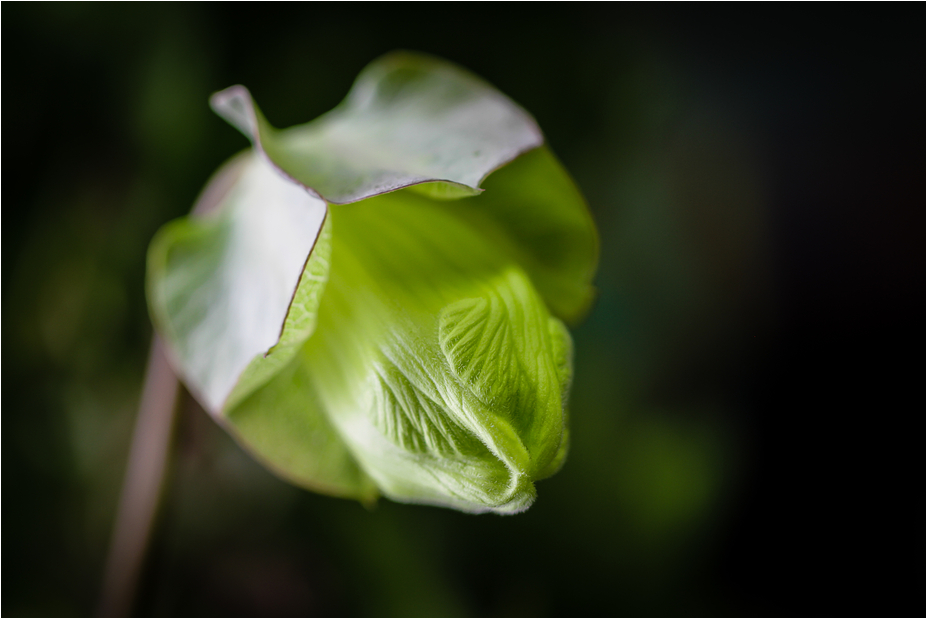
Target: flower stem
141, 488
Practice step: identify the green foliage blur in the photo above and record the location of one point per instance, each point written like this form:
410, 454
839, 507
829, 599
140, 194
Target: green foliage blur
758, 186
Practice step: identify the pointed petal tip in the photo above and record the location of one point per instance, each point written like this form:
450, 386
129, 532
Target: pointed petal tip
235, 105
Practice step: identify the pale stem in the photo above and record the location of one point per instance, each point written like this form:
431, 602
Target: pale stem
141, 488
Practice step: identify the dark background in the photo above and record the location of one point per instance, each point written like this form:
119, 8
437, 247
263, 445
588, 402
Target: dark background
746, 423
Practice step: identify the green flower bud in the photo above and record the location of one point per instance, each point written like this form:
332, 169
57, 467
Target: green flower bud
362, 315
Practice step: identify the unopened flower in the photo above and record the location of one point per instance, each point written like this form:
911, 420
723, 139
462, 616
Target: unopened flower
367, 310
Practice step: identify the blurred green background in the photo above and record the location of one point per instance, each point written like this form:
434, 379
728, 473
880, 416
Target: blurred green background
740, 402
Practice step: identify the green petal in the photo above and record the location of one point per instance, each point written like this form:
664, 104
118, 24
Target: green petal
435, 358
409, 119
284, 426
495, 344
533, 211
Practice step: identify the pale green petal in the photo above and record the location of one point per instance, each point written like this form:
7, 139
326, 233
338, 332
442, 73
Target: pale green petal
408, 119
220, 285
533, 211
299, 324
284, 426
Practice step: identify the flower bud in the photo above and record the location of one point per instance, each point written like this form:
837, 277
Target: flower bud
367, 310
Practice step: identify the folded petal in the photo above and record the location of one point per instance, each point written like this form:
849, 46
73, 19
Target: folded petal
436, 359
221, 284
